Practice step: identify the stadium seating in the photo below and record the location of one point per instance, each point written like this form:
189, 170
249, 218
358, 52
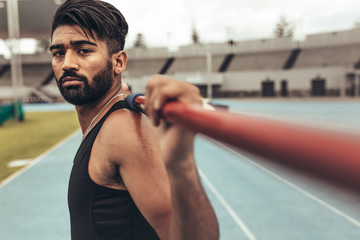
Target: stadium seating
344, 55
271, 60
240, 67
35, 74
5, 75
193, 64
144, 67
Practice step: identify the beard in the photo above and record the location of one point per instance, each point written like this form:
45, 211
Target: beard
88, 93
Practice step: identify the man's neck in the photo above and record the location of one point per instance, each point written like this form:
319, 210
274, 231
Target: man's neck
87, 113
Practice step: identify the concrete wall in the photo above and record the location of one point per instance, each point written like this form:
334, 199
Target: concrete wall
260, 45
147, 53
351, 36
264, 45
39, 58
298, 80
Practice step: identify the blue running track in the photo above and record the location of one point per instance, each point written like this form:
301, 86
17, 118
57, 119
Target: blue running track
253, 198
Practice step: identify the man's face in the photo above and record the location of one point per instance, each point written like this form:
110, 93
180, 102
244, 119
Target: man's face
82, 67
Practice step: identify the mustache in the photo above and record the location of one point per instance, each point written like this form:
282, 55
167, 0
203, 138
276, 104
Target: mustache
72, 74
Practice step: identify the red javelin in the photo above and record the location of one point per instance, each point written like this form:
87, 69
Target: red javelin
331, 156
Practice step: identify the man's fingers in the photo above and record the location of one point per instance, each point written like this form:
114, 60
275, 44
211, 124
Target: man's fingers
152, 105
161, 90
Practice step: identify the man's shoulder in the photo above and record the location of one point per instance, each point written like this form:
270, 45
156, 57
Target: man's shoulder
121, 122
125, 130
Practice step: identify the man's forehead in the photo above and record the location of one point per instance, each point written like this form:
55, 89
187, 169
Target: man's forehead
67, 33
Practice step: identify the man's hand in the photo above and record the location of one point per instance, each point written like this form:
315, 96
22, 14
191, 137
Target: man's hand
161, 89
176, 141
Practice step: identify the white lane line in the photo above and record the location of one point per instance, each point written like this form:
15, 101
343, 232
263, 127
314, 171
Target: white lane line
19, 163
36, 160
309, 195
228, 208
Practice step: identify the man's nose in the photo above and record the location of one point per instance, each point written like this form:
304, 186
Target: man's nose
70, 62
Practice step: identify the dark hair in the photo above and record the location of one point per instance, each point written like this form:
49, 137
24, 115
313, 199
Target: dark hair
94, 16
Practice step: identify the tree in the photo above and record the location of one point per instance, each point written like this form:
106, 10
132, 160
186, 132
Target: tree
139, 42
283, 28
195, 36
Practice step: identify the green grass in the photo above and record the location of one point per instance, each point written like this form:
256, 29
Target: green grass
29, 139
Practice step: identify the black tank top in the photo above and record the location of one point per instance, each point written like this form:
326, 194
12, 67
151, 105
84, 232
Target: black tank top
97, 212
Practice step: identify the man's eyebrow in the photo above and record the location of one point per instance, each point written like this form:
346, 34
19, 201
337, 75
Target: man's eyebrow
72, 43
56, 46
81, 42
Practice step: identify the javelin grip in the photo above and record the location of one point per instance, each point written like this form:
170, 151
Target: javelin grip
132, 101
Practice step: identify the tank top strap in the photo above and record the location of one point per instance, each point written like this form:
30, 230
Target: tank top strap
89, 139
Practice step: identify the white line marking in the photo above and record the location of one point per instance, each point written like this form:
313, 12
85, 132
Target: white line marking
36, 160
227, 207
18, 163
309, 195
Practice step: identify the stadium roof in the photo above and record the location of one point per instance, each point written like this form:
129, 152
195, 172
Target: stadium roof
35, 18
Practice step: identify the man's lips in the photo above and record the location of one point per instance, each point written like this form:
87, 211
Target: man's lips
70, 81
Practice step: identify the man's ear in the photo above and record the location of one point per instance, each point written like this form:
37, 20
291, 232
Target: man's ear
119, 61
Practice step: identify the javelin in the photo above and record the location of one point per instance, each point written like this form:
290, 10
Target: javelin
331, 156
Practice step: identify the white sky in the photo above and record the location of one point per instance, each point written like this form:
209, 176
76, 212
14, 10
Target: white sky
217, 20
169, 22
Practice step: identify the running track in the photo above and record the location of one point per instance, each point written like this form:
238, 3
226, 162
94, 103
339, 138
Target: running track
253, 198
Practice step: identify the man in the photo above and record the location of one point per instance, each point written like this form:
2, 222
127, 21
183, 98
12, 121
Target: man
132, 177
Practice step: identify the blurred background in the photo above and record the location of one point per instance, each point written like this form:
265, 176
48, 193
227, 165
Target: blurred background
227, 48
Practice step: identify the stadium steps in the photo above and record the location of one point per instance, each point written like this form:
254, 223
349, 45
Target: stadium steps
48, 79
188, 64
167, 65
226, 63
290, 62
255, 61
4, 69
357, 64
42, 96
145, 67
342, 55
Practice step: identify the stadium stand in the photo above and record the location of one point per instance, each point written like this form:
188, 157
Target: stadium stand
259, 61
290, 62
264, 67
343, 55
143, 67
345, 37
225, 64
146, 61
5, 75
258, 67
4, 68
167, 65
37, 73
193, 64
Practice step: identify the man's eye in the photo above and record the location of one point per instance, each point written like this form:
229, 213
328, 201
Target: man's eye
57, 53
84, 51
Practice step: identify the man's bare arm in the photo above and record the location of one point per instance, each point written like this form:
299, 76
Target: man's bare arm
192, 217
